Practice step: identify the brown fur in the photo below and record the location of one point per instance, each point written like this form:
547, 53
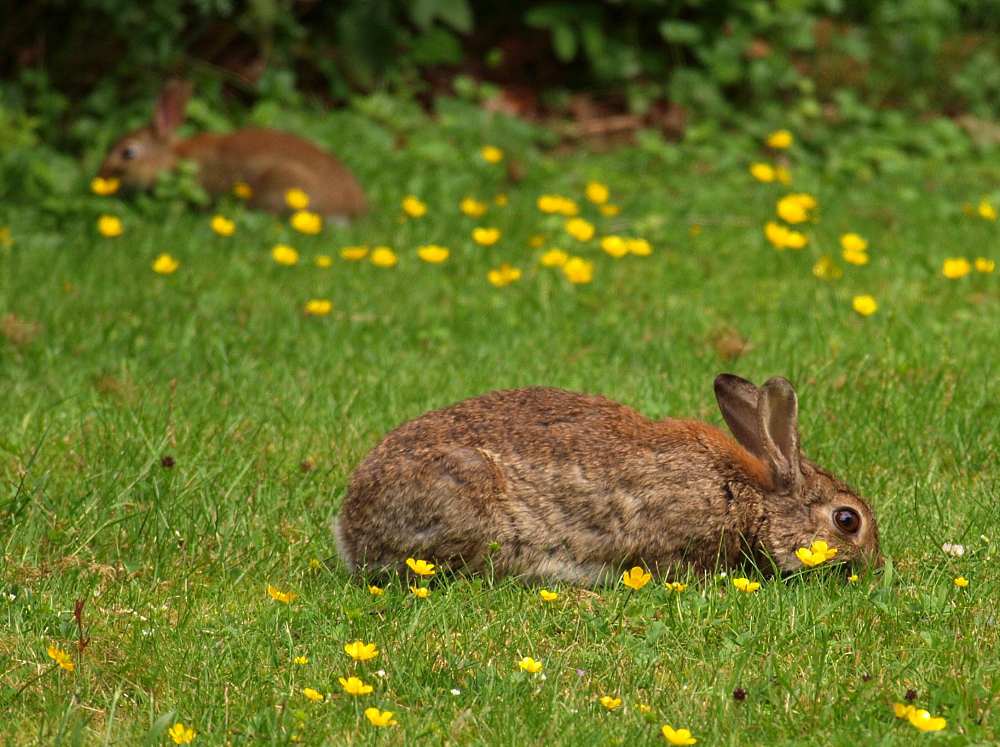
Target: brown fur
270, 162
545, 483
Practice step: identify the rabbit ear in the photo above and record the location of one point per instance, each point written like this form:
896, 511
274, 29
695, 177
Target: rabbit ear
764, 420
170, 106
737, 400
778, 423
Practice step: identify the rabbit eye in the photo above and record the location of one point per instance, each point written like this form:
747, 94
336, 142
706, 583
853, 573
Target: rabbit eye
129, 152
847, 520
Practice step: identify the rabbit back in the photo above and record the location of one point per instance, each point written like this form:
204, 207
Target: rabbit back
272, 163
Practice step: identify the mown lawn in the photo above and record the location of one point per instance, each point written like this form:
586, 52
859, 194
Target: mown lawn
173, 444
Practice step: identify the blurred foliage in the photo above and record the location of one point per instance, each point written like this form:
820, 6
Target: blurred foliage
74, 73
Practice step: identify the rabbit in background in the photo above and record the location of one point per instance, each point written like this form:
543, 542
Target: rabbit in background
270, 162
547, 484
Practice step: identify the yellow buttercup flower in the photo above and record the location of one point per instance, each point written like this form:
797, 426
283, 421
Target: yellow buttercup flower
610, 703
578, 270
746, 585
530, 665
354, 686
323, 260
223, 226
924, 721
473, 208
305, 221
284, 255
676, 586
354, 253
61, 658
243, 190
597, 193
491, 154
181, 734
636, 578
380, 718
421, 567
680, 736
853, 242
865, 305
986, 211
313, 695
853, 578
818, 552
301, 660
296, 199
486, 236
104, 187
609, 210
503, 275
413, 207
780, 139
902, 710
376, 590
762, 172
110, 226
984, 265
961, 581
432, 253
557, 204
857, 257
361, 651
165, 264
639, 247
554, 258
580, 229
319, 307
795, 208
547, 595
281, 596
615, 246
383, 256
420, 592
956, 267
782, 237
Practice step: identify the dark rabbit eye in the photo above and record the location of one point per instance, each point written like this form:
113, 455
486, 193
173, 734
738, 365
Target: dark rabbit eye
847, 520
129, 152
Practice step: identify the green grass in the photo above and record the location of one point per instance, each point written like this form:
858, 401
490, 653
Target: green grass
106, 368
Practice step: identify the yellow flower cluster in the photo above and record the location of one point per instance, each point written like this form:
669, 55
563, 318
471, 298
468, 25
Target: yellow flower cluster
919, 718
558, 204
818, 552
855, 249
765, 172
181, 734
746, 585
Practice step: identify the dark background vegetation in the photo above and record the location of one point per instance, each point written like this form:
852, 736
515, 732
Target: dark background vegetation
71, 70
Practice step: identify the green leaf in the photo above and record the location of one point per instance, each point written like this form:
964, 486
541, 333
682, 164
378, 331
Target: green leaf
564, 42
454, 13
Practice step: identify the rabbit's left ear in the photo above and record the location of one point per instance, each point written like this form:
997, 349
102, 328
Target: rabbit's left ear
737, 400
170, 107
778, 427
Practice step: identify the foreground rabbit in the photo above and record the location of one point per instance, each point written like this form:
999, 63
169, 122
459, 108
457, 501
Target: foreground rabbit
269, 162
549, 484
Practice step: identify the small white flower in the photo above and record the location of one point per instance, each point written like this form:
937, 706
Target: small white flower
543, 677
148, 632
956, 550
456, 691
11, 597
380, 673
723, 574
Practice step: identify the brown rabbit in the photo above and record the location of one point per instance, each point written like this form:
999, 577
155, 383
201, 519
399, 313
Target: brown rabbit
269, 162
549, 484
